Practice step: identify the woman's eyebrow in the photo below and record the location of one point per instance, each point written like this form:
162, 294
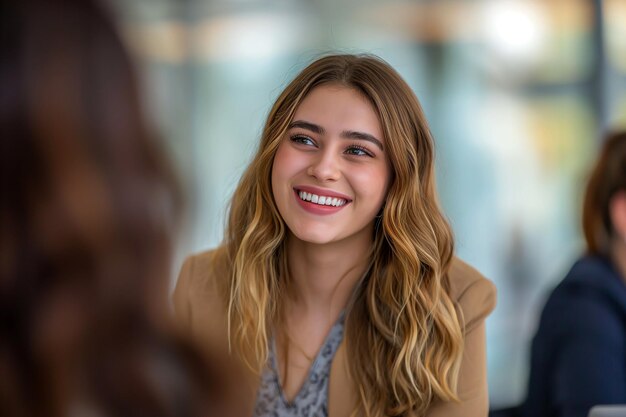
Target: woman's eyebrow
347, 134
308, 126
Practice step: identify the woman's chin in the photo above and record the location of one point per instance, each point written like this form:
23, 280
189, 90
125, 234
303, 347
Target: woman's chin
314, 237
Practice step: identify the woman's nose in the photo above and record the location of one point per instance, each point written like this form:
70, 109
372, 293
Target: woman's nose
325, 167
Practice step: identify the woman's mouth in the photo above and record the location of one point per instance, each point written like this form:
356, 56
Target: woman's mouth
321, 199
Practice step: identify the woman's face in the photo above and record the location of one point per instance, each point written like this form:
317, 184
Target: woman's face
330, 174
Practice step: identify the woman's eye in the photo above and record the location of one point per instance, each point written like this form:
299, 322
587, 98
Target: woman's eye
358, 151
305, 140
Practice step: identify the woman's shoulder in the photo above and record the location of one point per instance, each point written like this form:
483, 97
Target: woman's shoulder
591, 296
201, 314
206, 264
199, 274
474, 294
592, 282
199, 304
594, 274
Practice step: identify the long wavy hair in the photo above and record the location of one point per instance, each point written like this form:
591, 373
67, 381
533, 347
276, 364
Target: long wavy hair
403, 332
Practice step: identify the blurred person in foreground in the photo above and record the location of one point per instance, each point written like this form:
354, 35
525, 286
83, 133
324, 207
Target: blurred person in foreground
579, 352
87, 206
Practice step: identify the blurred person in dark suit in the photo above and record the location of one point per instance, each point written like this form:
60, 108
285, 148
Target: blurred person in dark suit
87, 206
579, 352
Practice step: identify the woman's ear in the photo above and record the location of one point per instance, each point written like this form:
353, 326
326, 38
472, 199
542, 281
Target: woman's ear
617, 211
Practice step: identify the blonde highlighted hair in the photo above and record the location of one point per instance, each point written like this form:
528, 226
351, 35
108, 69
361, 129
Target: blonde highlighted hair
403, 335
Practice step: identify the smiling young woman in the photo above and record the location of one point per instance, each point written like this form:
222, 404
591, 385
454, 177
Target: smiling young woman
335, 290
331, 153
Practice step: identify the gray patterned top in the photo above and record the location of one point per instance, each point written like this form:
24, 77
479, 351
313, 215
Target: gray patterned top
312, 399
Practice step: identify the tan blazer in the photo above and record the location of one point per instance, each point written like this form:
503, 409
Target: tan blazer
202, 314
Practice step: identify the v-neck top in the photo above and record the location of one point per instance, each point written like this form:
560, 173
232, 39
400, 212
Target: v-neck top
312, 399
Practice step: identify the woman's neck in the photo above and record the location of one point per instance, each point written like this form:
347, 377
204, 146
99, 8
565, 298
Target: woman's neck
323, 276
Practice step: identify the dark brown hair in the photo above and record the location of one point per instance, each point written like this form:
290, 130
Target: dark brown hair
607, 177
87, 205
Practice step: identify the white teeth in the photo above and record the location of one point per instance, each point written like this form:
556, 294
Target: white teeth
321, 200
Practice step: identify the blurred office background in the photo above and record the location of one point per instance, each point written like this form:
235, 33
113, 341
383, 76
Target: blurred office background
516, 92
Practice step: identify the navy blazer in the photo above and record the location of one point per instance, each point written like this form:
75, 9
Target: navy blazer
578, 356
